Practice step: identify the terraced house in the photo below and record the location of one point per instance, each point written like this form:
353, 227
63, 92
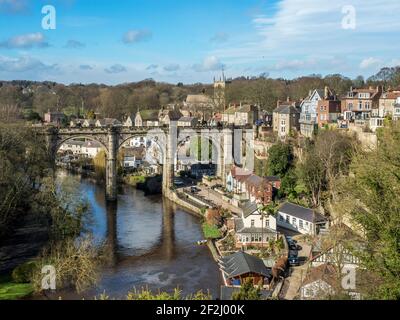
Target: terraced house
357, 104
309, 112
285, 118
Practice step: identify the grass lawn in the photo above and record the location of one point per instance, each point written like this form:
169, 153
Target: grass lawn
13, 291
211, 231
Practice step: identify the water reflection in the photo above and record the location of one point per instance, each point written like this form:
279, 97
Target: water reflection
151, 243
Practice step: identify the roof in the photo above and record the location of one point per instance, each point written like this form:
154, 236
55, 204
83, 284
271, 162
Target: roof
301, 212
240, 173
108, 122
187, 119
92, 144
241, 263
286, 109
249, 208
324, 272
391, 95
138, 152
198, 98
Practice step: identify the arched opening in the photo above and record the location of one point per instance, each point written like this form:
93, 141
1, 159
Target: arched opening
140, 162
82, 154
198, 155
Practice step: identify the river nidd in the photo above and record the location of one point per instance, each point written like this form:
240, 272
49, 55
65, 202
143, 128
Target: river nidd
152, 244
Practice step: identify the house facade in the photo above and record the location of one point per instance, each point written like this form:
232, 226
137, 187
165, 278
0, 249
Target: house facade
300, 219
309, 112
147, 118
107, 122
54, 117
286, 118
251, 187
167, 116
240, 115
357, 104
387, 103
188, 122
328, 108
253, 228
90, 149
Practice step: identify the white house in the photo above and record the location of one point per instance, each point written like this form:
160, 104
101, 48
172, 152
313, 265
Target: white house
319, 283
90, 149
254, 229
87, 123
108, 122
188, 122
300, 219
309, 112
147, 118
396, 111
73, 146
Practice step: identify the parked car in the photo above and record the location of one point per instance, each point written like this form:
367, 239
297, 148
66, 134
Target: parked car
293, 260
194, 190
294, 246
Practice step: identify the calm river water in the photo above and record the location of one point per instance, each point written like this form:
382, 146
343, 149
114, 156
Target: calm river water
153, 243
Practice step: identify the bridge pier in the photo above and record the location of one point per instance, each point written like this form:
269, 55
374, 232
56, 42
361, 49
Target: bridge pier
227, 154
111, 166
169, 160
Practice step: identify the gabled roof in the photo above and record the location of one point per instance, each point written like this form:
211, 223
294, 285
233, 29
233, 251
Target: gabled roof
324, 272
241, 263
286, 109
249, 208
301, 212
187, 119
198, 98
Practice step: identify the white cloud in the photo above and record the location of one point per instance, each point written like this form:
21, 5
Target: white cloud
74, 44
211, 63
13, 6
370, 63
134, 36
116, 68
25, 41
172, 67
24, 64
312, 30
85, 67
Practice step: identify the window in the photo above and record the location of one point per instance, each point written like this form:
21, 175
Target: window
294, 221
367, 105
252, 223
287, 218
281, 217
301, 224
350, 106
267, 223
360, 105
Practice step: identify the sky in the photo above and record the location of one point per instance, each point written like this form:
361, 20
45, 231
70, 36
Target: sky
119, 41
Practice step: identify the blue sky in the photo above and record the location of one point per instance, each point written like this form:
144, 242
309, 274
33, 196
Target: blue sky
191, 41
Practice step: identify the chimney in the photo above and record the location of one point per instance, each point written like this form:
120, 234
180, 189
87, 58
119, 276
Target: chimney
278, 103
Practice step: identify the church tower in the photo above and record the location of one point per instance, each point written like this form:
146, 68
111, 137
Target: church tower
219, 92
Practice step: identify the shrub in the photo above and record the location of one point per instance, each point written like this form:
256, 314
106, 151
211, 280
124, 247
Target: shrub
23, 273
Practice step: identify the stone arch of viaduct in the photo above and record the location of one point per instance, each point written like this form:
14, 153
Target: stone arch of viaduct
167, 139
